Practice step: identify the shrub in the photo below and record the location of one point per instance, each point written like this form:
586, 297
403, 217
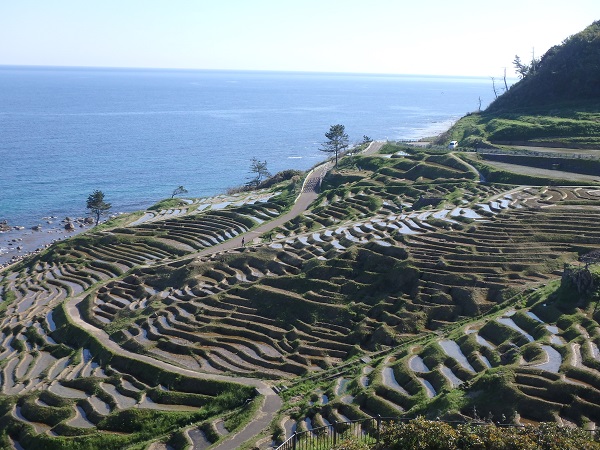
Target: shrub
426, 435
280, 177
418, 434
351, 444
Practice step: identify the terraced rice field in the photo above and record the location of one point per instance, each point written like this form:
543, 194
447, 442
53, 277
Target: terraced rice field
59, 389
407, 287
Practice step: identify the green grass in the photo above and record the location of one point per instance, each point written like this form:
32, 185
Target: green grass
8, 297
567, 126
118, 221
495, 175
168, 203
243, 415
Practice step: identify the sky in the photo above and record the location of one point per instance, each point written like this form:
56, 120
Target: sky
427, 37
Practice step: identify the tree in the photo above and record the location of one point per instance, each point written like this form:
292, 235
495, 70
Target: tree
179, 190
524, 70
337, 140
494, 86
521, 69
259, 171
96, 204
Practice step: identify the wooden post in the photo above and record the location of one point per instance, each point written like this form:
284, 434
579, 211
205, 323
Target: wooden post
334, 433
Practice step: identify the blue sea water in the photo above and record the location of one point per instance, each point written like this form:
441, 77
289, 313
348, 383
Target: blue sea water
136, 134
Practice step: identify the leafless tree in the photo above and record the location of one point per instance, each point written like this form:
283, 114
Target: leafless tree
494, 86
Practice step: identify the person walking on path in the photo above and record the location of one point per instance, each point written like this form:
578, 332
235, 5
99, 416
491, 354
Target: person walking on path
243, 242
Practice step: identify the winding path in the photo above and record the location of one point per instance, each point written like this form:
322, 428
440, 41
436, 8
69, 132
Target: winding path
470, 166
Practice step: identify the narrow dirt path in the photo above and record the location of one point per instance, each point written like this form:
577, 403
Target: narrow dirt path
471, 166
265, 414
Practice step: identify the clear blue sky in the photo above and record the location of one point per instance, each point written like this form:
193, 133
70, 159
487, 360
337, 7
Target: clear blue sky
452, 37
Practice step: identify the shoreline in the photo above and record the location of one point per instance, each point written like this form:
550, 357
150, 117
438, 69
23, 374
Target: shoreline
19, 242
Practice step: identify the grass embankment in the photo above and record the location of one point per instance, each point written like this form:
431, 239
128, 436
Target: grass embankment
559, 126
525, 172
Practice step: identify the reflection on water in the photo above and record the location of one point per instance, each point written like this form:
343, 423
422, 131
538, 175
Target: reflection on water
453, 350
416, 364
452, 378
510, 323
554, 360
428, 387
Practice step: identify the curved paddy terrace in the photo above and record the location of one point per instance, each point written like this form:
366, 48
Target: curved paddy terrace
406, 286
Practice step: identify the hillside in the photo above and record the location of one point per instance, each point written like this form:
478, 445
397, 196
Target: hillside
407, 287
567, 73
557, 104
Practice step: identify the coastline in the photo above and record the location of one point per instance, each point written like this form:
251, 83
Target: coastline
19, 242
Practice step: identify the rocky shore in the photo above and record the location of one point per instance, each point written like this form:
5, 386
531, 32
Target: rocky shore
18, 242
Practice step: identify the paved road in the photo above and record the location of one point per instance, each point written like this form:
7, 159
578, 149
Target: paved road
261, 421
373, 147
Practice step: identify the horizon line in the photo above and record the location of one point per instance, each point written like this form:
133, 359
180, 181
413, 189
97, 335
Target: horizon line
190, 69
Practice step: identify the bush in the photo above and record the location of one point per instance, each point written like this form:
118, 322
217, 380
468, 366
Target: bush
419, 434
280, 177
351, 444
426, 435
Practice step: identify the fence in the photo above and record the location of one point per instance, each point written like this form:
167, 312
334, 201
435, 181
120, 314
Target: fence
323, 438
536, 153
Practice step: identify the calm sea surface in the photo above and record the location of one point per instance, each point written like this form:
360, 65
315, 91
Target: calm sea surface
138, 134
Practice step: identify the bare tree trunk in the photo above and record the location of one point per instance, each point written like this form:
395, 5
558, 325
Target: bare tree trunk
494, 86
505, 84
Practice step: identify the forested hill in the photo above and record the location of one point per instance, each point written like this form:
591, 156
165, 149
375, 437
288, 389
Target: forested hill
567, 73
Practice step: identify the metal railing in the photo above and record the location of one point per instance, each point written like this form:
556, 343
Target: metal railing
535, 153
323, 438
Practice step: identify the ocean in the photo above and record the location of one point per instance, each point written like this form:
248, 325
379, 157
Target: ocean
137, 134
